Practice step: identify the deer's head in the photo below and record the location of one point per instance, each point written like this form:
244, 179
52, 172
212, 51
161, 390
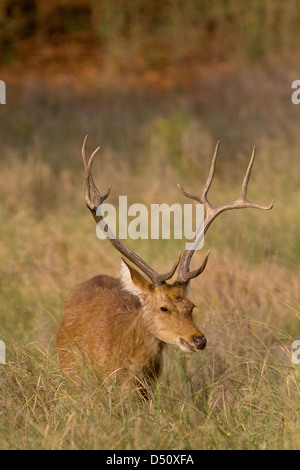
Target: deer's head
167, 313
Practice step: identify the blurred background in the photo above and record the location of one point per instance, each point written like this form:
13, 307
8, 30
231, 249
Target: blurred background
156, 85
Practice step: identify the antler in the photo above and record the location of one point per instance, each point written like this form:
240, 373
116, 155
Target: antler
210, 213
94, 201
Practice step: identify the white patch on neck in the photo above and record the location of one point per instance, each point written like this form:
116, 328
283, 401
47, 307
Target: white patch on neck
127, 282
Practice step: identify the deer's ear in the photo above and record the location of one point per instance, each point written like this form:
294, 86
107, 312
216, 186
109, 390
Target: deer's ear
133, 281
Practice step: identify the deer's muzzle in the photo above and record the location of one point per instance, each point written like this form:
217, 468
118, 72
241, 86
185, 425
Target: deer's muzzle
198, 343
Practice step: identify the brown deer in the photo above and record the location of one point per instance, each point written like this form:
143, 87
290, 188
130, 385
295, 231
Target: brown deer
121, 326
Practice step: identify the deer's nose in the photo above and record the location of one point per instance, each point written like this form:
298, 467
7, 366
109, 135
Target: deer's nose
199, 342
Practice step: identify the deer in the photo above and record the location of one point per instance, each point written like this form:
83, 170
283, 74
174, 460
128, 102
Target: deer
120, 326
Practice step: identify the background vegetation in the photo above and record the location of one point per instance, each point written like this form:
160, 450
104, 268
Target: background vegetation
156, 84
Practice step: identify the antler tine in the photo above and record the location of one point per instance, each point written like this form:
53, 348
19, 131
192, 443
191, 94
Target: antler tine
202, 197
188, 275
245, 187
94, 205
211, 172
166, 276
211, 212
248, 174
94, 201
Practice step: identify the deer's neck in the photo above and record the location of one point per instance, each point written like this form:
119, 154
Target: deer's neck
135, 344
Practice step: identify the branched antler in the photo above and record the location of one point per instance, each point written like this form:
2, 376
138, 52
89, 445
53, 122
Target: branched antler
94, 200
210, 213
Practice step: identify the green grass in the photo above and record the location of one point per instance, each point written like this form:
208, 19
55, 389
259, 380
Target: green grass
242, 391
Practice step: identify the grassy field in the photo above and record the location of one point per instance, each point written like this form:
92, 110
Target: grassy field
242, 391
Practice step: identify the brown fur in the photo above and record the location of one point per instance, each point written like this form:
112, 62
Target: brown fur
119, 327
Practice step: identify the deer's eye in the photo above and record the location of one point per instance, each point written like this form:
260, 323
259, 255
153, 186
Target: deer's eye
164, 309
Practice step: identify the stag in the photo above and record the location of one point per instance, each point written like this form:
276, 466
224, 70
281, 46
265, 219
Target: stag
121, 325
